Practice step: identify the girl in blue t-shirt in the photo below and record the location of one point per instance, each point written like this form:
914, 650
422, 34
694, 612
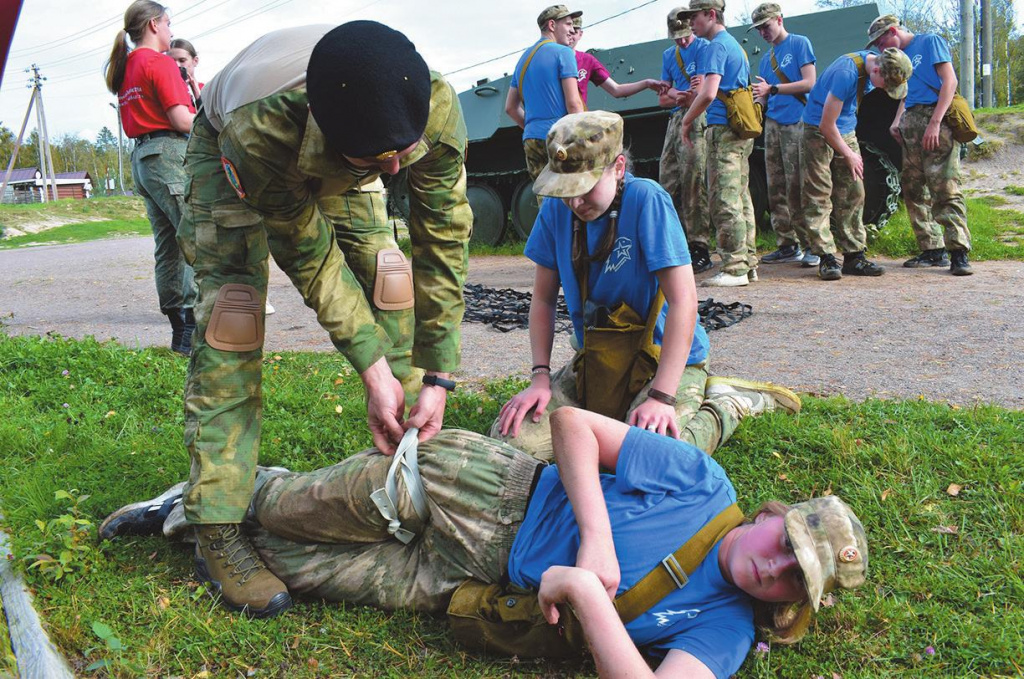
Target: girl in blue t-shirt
639, 254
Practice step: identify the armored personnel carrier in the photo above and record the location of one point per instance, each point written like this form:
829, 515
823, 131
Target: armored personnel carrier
499, 189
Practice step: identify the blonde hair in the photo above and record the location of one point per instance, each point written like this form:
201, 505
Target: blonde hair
138, 14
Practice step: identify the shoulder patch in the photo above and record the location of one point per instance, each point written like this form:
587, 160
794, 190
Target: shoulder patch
232, 176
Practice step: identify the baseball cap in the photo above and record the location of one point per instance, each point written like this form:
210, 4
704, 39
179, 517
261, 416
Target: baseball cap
895, 69
880, 25
580, 146
679, 26
763, 13
830, 545
554, 13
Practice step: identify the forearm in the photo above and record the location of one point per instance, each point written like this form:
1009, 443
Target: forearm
946, 93
798, 87
705, 95
542, 330
675, 345
834, 139
668, 100
615, 654
625, 89
577, 454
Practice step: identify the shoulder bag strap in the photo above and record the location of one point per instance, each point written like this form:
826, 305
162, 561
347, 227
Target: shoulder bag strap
783, 79
863, 79
679, 60
674, 570
526, 65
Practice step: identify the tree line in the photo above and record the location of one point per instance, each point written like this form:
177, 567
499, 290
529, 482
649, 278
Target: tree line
71, 153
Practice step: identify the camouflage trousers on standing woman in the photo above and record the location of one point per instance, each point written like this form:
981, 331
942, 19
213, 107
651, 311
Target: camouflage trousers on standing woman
321, 533
931, 184
782, 167
681, 172
832, 195
732, 212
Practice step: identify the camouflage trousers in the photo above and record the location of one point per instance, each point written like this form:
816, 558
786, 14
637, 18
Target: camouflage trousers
681, 172
321, 533
703, 423
732, 212
832, 196
536, 152
158, 168
782, 167
931, 184
226, 243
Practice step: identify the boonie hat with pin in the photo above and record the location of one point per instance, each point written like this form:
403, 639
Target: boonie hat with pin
764, 13
679, 23
580, 146
830, 545
880, 25
555, 13
895, 68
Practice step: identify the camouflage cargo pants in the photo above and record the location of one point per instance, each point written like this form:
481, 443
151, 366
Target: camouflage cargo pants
226, 243
536, 159
702, 423
732, 212
322, 534
681, 172
931, 184
833, 201
158, 168
782, 166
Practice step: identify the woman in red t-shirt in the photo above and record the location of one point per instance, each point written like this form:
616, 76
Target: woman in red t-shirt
157, 112
184, 54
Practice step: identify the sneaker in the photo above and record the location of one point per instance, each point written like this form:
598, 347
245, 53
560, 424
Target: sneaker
228, 563
726, 280
269, 308
752, 398
786, 253
856, 264
960, 266
936, 257
810, 259
828, 268
752, 275
700, 258
142, 518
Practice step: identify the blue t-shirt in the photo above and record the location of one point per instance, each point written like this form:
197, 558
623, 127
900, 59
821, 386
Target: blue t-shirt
663, 491
650, 238
541, 91
689, 55
726, 58
840, 80
925, 51
793, 53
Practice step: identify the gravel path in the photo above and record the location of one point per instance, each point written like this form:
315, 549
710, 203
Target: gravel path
906, 334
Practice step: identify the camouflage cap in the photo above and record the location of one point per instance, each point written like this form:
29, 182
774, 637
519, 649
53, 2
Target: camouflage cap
580, 146
699, 5
554, 13
830, 544
679, 23
880, 25
577, 22
895, 68
764, 13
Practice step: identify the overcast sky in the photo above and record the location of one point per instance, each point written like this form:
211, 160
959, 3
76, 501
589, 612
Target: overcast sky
70, 41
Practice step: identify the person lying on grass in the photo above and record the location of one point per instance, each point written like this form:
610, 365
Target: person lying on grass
573, 533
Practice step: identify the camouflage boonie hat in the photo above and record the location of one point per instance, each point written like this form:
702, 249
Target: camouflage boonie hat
830, 545
699, 5
679, 23
764, 13
580, 146
554, 13
880, 25
895, 68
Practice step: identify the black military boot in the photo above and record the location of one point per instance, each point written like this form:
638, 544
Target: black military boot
700, 258
959, 266
856, 264
187, 331
177, 319
936, 257
227, 561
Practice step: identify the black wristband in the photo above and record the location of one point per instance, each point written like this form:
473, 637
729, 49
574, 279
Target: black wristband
540, 366
661, 396
774, 89
435, 381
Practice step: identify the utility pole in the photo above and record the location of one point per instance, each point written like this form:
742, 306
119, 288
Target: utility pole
120, 144
50, 174
17, 146
986, 52
967, 50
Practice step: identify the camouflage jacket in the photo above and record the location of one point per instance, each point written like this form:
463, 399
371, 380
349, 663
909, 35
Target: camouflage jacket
285, 166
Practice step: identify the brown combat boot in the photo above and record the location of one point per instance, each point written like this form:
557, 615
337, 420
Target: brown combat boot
228, 563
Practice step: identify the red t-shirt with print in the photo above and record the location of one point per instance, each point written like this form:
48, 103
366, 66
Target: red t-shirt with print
152, 85
589, 68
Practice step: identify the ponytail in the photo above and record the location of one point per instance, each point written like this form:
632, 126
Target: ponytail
138, 14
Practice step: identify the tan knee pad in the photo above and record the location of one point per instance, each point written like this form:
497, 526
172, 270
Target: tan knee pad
237, 320
392, 289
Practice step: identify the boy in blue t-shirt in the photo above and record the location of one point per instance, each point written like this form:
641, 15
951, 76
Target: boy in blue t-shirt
833, 170
681, 170
724, 67
543, 86
931, 157
786, 76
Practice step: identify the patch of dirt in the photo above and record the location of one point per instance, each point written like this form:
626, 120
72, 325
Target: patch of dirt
994, 167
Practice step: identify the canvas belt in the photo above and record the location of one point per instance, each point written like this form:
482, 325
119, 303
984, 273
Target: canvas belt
386, 498
158, 134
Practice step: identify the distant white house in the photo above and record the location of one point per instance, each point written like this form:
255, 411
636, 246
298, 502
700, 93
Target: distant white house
26, 185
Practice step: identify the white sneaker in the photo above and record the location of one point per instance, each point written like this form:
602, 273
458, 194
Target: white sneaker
726, 280
270, 308
752, 398
810, 259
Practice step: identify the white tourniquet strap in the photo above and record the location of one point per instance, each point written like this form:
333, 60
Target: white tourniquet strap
386, 498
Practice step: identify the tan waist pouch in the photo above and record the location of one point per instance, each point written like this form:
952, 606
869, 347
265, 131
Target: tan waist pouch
392, 289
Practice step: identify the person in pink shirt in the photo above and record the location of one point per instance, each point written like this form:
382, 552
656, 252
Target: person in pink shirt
590, 69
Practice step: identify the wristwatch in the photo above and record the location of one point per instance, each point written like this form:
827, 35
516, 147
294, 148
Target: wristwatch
774, 89
435, 381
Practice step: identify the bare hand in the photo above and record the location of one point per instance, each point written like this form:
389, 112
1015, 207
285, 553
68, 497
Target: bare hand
558, 585
659, 86
856, 165
930, 141
761, 88
536, 397
896, 134
385, 406
685, 98
655, 416
600, 560
696, 81
428, 413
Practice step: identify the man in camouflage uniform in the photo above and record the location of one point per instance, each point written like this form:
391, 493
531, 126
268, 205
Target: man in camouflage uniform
724, 66
681, 170
931, 157
832, 167
284, 159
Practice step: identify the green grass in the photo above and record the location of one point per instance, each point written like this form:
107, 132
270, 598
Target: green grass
8, 664
80, 233
1015, 190
111, 428
995, 233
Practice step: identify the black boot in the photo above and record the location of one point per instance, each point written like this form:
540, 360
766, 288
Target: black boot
187, 330
177, 319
